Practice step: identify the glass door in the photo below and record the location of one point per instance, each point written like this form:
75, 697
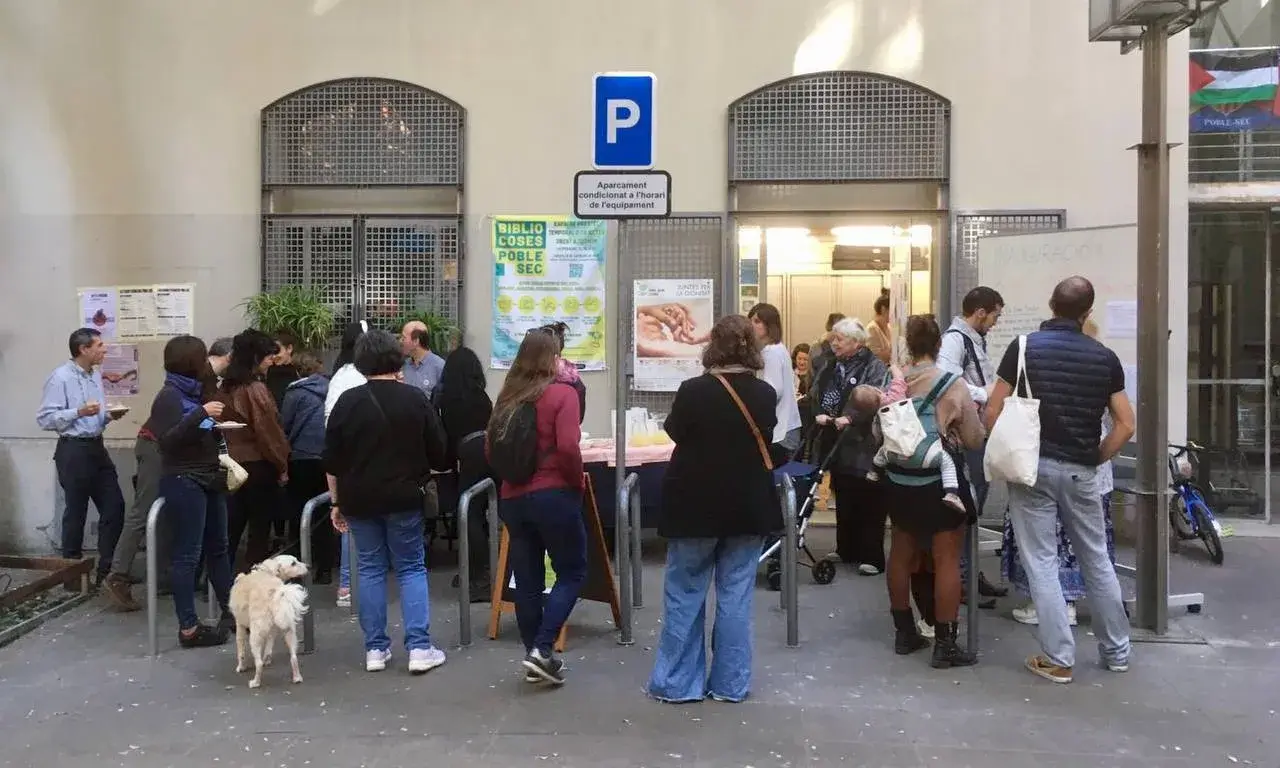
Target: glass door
1229, 357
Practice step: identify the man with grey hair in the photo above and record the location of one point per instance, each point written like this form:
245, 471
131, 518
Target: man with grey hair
422, 367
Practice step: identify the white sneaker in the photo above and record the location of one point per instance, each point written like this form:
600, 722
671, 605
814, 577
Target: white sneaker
376, 661
924, 629
344, 598
1116, 666
423, 660
1027, 614
868, 570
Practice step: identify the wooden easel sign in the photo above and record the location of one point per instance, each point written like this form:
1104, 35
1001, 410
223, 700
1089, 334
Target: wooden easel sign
599, 586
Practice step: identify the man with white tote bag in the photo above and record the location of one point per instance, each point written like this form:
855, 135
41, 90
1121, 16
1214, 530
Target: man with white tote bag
1045, 422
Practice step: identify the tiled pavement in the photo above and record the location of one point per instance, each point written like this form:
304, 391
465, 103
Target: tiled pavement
82, 692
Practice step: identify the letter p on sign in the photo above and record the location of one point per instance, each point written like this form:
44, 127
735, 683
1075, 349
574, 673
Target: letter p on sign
623, 119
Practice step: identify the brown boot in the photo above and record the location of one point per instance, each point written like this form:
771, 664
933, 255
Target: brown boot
117, 590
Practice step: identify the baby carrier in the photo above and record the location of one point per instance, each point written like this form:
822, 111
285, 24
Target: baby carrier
926, 412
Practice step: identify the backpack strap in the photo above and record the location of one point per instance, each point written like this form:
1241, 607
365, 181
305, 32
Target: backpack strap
944, 381
970, 355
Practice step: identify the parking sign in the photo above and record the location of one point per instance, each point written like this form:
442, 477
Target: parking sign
623, 121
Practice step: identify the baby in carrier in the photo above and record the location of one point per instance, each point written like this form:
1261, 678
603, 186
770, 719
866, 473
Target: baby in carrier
931, 453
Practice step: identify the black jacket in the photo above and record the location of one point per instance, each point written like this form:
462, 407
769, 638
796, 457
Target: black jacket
188, 445
717, 484
381, 443
856, 449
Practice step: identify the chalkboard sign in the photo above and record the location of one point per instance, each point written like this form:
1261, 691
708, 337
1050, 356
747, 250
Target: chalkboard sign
599, 586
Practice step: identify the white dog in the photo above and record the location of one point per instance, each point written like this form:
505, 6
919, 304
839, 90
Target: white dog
264, 606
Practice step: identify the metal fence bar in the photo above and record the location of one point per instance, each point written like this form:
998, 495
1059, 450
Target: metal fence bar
353, 572
215, 609
790, 548
971, 589
153, 589
624, 548
488, 487
308, 559
636, 528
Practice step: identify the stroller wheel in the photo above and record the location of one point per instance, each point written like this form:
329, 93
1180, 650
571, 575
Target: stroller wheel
773, 575
824, 572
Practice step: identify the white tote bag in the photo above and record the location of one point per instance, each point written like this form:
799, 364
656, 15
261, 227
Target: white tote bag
1013, 447
901, 428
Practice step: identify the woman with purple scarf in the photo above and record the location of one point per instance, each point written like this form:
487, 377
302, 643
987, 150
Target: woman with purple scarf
193, 485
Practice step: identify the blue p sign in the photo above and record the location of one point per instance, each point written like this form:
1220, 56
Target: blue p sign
623, 118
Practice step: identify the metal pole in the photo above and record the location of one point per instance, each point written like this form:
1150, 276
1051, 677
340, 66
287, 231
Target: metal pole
153, 590
971, 589
790, 582
308, 559
464, 558
622, 557
636, 527
354, 572
622, 347
215, 610
1153, 336
495, 532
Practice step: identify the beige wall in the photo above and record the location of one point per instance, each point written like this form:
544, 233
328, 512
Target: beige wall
129, 136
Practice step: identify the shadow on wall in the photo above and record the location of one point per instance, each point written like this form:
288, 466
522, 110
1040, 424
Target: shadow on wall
887, 38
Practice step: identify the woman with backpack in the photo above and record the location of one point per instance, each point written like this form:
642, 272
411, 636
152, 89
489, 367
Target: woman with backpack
532, 444
718, 504
913, 494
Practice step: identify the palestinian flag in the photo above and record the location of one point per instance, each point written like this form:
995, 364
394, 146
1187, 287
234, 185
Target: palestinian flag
1226, 82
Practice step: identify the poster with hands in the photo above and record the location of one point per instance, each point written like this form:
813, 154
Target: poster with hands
673, 320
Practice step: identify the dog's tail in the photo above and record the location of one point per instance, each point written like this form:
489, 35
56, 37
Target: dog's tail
288, 604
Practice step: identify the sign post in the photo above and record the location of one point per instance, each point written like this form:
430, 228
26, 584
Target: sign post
622, 185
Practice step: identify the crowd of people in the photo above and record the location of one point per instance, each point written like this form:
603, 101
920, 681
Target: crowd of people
244, 431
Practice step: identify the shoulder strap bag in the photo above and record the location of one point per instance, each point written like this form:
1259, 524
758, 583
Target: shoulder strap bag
751, 423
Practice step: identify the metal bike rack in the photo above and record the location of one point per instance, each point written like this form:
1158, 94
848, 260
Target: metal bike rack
153, 590
626, 546
790, 594
486, 486
971, 589
304, 541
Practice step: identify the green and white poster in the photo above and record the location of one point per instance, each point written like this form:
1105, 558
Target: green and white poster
549, 269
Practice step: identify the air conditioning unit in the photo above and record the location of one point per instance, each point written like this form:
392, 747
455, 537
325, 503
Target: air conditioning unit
1123, 20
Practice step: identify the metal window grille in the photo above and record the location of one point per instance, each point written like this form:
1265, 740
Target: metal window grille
362, 131
411, 265
687, 247
970, 227
839, 126
312, 251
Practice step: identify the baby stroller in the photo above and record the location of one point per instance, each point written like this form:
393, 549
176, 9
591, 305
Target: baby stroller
806, 478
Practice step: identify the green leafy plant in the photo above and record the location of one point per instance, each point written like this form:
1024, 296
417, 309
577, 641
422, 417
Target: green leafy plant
446, 335
297, 309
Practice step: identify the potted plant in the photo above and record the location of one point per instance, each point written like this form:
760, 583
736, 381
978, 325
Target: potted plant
297, 309
446, 335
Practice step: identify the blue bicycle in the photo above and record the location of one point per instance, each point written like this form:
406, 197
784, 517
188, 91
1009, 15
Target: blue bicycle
1189, 514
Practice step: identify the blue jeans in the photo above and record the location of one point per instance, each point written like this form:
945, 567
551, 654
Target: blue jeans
680, 669
540, 524
197, 522
396, 542
1067, 494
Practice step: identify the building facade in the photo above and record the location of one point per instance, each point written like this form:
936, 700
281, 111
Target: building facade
239, 145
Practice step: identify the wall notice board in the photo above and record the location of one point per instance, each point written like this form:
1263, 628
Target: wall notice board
1025, 268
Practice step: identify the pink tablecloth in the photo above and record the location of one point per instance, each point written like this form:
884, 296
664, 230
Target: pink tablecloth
595, 451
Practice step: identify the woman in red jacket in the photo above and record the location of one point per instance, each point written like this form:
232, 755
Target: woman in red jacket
544, 514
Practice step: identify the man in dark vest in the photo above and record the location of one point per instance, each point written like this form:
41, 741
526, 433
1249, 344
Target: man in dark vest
1075, 379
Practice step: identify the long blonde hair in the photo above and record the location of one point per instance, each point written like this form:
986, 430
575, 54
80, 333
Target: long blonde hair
533, 370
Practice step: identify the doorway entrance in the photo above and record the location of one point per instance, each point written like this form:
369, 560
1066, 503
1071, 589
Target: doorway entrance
812, 266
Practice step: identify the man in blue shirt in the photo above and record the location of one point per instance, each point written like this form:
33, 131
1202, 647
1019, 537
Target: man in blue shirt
422, 367
73, 406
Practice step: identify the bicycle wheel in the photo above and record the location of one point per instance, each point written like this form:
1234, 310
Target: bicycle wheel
1179, 521
1208, 531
